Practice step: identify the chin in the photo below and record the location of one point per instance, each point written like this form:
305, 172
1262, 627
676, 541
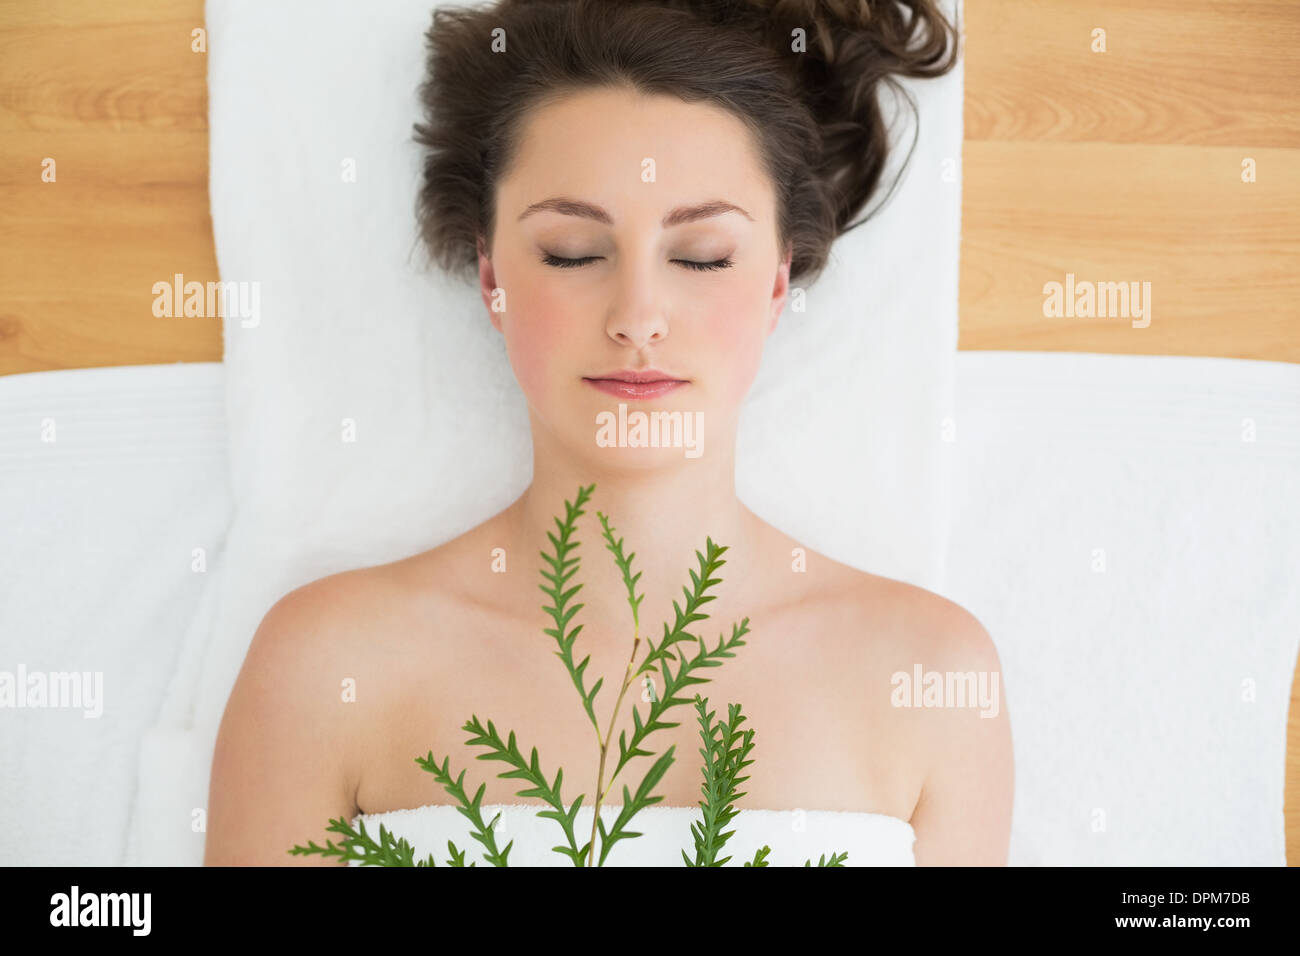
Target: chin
633, 460
648, 434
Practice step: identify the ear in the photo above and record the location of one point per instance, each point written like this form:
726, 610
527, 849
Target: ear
487, 283
781, 289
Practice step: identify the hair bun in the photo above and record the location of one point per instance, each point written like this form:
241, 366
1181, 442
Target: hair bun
891, 27
847, 12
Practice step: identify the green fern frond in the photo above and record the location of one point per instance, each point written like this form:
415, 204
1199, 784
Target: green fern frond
359, 846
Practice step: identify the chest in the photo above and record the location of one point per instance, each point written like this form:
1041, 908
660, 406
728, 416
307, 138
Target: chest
823, 738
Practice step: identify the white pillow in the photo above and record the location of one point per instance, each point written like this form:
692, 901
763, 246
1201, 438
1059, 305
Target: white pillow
839, 444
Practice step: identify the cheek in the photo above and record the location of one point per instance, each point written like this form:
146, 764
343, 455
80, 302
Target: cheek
734, 336
535, 337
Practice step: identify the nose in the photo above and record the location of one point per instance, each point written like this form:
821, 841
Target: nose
638, 334
639, 316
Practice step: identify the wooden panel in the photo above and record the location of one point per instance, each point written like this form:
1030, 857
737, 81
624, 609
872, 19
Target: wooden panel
1191, 72
1127, 166
115, 96
1222, 257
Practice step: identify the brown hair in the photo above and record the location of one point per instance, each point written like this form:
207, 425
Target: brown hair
814, 115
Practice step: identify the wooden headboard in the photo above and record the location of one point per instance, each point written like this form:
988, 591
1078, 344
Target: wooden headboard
1126, 161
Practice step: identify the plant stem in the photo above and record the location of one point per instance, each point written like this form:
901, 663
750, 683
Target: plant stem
609, 735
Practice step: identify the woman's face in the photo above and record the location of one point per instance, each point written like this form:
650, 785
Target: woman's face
631, 190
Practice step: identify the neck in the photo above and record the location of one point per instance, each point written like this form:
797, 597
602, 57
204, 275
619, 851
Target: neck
663, 515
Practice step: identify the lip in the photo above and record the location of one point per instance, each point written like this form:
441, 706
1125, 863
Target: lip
636, 384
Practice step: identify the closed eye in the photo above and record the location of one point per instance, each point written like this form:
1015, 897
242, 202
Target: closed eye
551, 260
561, 263
706, 266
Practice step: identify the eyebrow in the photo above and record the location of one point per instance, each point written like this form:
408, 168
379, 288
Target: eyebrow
682, 214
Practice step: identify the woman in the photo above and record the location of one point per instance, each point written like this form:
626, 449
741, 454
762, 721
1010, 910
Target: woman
636, 186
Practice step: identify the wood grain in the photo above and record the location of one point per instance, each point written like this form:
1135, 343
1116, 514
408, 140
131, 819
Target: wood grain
115, 96
1127, 166
1115, 166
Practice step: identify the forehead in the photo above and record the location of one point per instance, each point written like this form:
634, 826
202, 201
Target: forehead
614, 145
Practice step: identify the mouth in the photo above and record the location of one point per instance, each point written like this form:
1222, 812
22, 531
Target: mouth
630, 383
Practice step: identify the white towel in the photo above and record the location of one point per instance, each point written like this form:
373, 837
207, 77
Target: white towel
839, 445
114, 500
793, 837
1127, 528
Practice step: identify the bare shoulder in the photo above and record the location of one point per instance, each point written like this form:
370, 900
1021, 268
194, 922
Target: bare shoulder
363, 621
947, 694
887, 619
285, 758
323, 672
919, 636
948, 703
374, 617
905, 617
932, 625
